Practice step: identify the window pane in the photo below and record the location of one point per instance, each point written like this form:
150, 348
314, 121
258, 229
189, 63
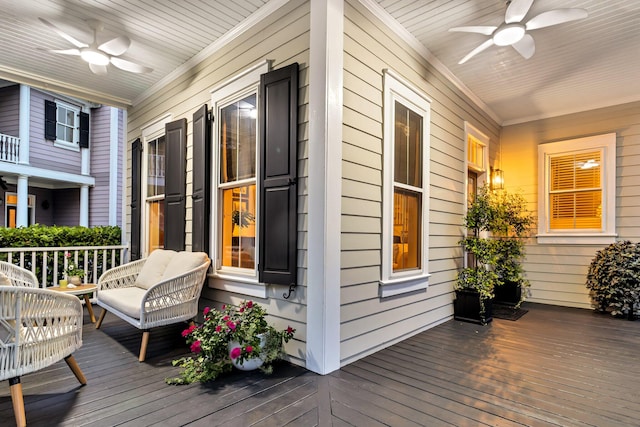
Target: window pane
156, 225
155, 167
406, 230
407, 146
238, 129
239, 227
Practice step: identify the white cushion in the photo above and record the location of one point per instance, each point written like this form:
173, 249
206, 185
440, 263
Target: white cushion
183, 262
154, 267
4, 280
125, 300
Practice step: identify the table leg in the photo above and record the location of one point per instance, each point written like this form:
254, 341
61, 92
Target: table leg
89, 308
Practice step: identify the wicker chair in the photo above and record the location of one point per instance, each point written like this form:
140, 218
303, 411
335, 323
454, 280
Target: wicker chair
159, 290
38, 327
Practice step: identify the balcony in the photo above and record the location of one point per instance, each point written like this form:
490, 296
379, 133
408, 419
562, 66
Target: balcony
9, 148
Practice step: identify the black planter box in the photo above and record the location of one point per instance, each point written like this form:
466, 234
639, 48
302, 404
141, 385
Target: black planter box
466, 307
509, 293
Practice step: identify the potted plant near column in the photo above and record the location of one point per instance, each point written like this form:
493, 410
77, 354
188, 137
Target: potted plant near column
497, 223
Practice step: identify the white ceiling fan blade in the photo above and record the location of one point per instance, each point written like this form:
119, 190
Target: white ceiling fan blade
67, 37
517, 10
123, 64
525, 47
75, 52
476, 51
100, 70
555, 17
486, 30
116, 46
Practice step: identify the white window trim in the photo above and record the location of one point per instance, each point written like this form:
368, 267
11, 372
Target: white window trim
73, 145
241, 280
150, 131
606, 143
395, 89
471, 130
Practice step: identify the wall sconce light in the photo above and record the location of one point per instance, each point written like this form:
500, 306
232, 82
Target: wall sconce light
496, 179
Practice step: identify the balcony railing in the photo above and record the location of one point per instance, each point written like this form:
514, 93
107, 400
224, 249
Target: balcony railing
9, 148
49, 264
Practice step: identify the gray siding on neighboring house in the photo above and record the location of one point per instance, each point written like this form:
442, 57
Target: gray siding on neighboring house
100, 165
558, 272
369, 323
10, 110
283, 38
67, 206
42, 153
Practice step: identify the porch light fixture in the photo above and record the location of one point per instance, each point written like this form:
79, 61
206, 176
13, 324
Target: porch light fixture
508, 34
497, 179
94, 56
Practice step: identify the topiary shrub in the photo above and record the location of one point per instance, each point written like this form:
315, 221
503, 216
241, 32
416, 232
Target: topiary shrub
614, 279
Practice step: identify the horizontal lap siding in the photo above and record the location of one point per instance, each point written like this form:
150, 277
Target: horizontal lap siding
283, 38
558, 273
100, 166
10, 110
369, 323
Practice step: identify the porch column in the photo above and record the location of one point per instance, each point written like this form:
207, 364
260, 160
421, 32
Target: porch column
84, 206
22, 208
114, 145
23, 124
325, 177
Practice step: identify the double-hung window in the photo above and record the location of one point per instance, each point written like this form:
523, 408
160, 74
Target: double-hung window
405, 187
67, 124
577, 191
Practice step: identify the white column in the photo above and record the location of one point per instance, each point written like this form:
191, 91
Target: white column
325, 189
24, 124
22, 209
84, 206
114, 140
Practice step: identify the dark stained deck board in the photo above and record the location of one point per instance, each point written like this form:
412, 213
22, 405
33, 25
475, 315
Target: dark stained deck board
553, 367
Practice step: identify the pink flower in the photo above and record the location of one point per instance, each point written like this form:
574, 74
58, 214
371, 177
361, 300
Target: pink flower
235, 352
206, 311
225, 319
249, 304
196, 347
290, 330
231, 325
241, 310
188, 330
249, 349
224, 306
218, 328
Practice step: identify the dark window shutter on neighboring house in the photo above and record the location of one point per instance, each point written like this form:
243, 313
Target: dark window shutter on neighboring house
278, 188
136, 190
201, 177
175, 168
50, 120
84, 130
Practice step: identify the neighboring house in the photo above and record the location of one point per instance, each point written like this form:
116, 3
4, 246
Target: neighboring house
61, 159
348, 175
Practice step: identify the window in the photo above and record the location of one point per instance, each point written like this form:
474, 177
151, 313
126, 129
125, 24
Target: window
11, 204
67, 124
577, 182
235, 196
406, 183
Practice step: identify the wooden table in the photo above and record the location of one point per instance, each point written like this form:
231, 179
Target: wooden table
85, 290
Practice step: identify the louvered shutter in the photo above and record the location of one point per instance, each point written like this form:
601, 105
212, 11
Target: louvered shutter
50, 120
278, 172
84, 130
136, 194
175, 184
201, 180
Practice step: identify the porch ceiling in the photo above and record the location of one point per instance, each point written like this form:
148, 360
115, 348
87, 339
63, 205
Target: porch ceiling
577, 66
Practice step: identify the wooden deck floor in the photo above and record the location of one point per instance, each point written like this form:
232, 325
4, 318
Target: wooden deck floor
553, 367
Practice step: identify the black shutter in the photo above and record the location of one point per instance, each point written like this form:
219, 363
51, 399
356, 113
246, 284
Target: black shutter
84, 130
50, 120
136, 193
175, 169
201, 177
278, 188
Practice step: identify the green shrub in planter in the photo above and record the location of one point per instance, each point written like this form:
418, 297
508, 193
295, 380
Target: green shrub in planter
614, 279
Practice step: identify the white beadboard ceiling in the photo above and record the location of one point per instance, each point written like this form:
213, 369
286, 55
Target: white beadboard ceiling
581, 65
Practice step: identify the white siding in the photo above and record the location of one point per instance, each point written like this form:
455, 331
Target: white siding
558, 272
369, 323
284, 39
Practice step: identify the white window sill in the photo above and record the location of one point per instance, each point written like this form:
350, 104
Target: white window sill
576, 239
392, 287
66, 145
241, 285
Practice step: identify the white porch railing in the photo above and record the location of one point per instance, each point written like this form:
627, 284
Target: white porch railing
49, 264
9, 148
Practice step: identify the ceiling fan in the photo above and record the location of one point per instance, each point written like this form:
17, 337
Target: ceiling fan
99, 55
513, 32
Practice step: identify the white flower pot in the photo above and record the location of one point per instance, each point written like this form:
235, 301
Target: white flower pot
248, 364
